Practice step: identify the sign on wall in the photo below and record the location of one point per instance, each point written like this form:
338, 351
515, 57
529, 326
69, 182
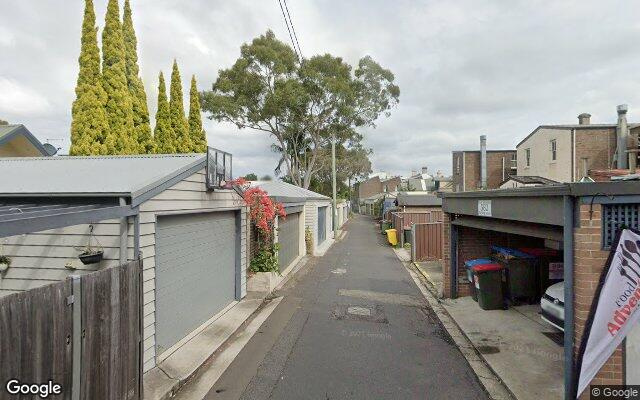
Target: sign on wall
614, 311
484, 208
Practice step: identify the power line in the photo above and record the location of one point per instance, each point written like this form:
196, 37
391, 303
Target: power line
288, 29
292, 27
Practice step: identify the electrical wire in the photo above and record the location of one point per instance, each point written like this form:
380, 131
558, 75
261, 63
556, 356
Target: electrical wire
295, 36
286, 21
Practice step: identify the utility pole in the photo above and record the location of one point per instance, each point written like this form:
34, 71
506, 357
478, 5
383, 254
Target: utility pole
333, 173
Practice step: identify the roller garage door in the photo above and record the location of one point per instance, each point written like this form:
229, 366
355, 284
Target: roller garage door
289, 240
195, 272
322, 224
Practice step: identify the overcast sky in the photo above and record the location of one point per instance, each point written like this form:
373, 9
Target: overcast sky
464, 68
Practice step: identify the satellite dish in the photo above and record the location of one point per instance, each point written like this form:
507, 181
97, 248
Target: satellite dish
50, 149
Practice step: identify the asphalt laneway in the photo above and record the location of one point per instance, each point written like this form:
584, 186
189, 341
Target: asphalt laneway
351, 325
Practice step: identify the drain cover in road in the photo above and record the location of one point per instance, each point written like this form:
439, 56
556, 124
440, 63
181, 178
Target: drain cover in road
359, 313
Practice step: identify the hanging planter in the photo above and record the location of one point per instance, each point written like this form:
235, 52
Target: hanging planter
91, 254
5, 263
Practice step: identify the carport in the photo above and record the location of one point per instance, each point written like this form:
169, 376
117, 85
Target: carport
581, 219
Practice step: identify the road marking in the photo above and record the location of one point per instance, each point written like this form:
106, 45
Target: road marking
339, 271
390, 298
355, 310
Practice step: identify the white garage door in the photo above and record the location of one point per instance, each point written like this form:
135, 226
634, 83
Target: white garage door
195, 272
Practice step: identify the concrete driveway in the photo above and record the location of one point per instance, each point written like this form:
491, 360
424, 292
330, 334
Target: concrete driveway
351, 325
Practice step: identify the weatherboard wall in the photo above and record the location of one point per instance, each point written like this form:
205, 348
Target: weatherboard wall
39, 258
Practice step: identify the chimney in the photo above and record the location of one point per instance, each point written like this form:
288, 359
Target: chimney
414, 172
424, 170
622, 135
584, 119
483, 162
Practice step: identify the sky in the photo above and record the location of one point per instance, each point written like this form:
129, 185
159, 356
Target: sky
464, 68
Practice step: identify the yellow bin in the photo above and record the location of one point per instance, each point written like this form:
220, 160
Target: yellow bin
392, 236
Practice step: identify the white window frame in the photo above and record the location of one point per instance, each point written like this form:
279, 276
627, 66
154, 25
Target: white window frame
554, 149
527, 157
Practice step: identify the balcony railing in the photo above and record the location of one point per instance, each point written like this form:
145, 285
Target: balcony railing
218, 168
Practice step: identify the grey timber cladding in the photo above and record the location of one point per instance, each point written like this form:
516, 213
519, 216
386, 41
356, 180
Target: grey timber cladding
288, 239
195, 272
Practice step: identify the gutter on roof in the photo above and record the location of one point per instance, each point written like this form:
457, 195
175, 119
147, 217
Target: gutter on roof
21, 129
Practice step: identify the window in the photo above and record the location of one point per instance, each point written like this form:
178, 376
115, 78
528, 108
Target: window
527, 157
458, 159
616, 217
553, 150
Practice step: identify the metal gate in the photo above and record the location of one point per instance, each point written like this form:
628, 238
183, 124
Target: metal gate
195, 272
322, 224
289, 240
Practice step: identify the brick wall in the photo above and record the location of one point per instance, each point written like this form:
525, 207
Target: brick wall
496, 171
589, 261
476, 243
369, 187
597, 146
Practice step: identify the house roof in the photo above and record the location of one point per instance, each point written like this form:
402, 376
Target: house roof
531, 180
568, 127
9, 132
130, 176
287, 193
417, 199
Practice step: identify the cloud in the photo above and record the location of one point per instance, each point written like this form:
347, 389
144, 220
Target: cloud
465, 68
20, 101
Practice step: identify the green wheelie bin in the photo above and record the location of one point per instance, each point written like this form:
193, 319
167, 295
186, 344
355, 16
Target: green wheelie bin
489, 286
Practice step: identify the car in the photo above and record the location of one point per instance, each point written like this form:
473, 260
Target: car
552, 304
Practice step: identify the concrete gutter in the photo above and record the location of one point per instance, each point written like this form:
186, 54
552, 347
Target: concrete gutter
488, 379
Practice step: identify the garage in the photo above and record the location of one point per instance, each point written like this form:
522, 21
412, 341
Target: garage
289, 239
195, 272
322, 224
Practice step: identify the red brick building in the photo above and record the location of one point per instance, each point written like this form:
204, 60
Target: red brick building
467, 169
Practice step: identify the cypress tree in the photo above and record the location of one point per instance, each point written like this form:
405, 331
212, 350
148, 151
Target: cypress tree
88, 119
121, 138
197, 134
164, 137
179, 122
134, 82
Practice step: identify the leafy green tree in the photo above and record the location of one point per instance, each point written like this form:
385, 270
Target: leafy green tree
88, 118
141, 123
266, 178
3, 122
121, 135
303, 105
251, 177
196, 133
165, 138
179, 123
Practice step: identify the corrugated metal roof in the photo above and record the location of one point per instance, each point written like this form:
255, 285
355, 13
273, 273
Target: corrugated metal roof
94, 175
7, 129
285, 191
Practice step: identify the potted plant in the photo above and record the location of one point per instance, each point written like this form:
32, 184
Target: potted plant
5, 263
91, 254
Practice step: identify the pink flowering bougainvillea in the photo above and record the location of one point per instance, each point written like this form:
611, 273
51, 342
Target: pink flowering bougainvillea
262, 212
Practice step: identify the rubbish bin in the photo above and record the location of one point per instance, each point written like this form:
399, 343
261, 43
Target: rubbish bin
488, 283
521, 273
469, 264
384, 225
407, 235
550, 267
392, 236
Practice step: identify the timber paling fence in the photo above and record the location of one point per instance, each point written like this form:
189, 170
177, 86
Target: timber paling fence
83, 334
401, 220
427, 241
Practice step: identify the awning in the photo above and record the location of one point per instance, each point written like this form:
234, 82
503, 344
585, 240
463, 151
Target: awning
517, 228
26, 215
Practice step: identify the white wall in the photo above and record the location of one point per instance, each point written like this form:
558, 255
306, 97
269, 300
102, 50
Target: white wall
541, 162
